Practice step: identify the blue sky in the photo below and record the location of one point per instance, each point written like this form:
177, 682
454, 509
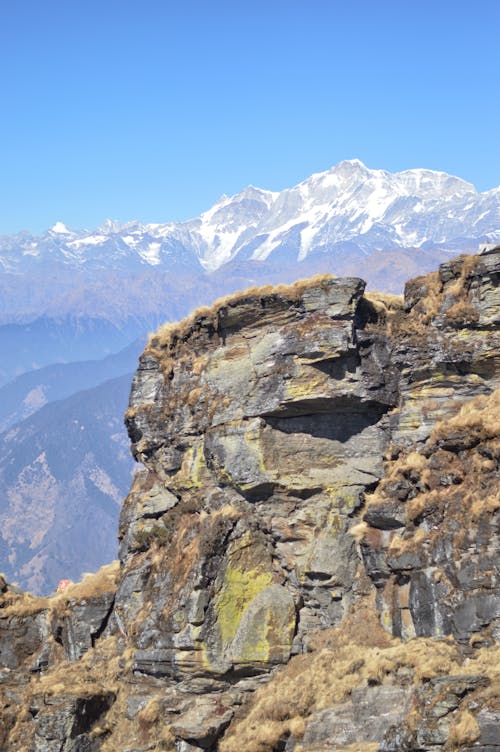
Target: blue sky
151, 110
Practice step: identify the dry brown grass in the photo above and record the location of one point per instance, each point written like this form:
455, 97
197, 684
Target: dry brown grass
207, 315
148, 730
326, 677
24, 604
428, 295
479, 417
101, 670
384, 308
150, 713
98, 670
412, 461
13, 604
409, 465
461, 314
464, 731
474, 490
466, 265
429, 301
131, 412
384, 301
358, 531
92, 583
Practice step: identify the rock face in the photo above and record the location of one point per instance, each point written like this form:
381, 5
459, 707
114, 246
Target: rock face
309, 558
266, 453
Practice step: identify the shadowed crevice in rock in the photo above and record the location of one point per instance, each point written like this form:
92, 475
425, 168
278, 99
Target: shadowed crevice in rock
259, 492
338, 423
338, 368
94, 636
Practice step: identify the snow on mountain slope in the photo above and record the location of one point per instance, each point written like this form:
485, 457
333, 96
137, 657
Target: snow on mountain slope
376, 209
348, 209
230, 222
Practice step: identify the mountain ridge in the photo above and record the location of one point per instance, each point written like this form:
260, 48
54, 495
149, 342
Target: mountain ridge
349, 203
63, 473
30, 391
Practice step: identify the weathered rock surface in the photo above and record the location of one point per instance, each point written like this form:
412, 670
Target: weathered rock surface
366, 716
309, 558
276, 427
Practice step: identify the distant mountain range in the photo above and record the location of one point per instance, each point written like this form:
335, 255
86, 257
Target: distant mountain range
348, 209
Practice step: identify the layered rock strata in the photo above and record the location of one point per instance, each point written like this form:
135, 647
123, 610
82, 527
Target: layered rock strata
309, 556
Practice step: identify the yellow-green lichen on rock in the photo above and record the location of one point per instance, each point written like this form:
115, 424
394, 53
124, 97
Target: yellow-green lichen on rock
266, 628
254, 616
239, 589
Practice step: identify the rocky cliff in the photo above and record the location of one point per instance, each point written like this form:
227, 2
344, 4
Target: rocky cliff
309, 558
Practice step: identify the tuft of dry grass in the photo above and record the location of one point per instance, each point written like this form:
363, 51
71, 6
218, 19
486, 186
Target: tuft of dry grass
205, 316
461, 314
384, 301
13, 604
479, 417
464, 731
150, 713
93, 584
96, 671
429, 301
466, 264
383, 308
358, 531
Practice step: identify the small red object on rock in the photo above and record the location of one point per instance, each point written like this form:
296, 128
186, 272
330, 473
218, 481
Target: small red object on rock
63, 584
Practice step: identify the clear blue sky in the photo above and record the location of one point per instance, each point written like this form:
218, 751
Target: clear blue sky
150, 109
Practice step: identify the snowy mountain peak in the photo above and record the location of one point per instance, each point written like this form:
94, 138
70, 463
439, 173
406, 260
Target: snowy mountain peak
350, 167
354, 162
110, 226
60, 229
432, 182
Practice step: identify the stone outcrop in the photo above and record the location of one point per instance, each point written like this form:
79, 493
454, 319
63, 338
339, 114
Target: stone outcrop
276, 428
309, 556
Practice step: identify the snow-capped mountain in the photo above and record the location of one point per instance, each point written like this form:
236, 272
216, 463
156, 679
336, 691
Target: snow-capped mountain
347, 210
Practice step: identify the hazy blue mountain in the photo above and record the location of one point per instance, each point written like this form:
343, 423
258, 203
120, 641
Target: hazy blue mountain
28, 393
26, 347
64, 472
